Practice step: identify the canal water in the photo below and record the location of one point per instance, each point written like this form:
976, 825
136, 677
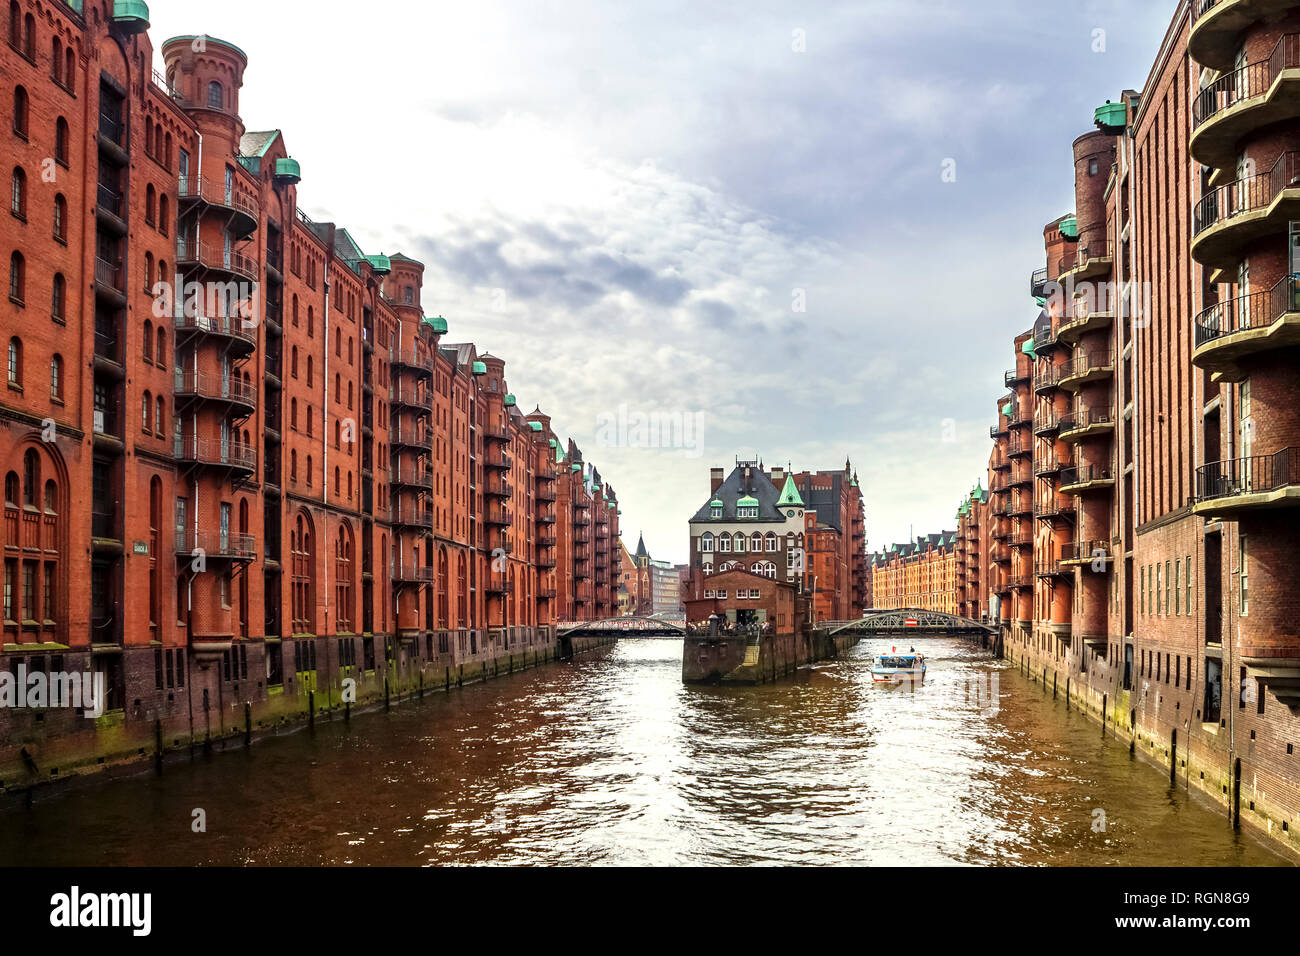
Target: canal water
611, 760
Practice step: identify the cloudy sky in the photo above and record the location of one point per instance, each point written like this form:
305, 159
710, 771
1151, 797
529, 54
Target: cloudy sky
732, 216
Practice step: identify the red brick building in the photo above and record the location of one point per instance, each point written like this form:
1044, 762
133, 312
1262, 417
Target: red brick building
917, 574
240, 462
802, 528
1154, 567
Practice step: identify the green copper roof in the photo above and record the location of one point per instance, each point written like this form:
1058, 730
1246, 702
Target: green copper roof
536, 426
747, 502
480, 368
1028, 348
510, 401
380, 263
1111, 116
790, 494
576, 467
554, 443
189, 39
1006, 409
1070, 228
715, 503
131, 15
437, 323
288, 168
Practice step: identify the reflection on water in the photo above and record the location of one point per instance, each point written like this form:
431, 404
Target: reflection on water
612, 760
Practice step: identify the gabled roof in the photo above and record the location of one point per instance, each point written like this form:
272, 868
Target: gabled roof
790, 494
733, 489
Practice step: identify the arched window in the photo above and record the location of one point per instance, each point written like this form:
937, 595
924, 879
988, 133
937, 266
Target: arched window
462, 599
443, 584
15, 25
69, 68
293, 465
706, 543
293, 413
756, 543
150, 202
295, 312
59, 298
158, 417
164, 212
309, 471
309, 370
148, 272
61, 139
772, 542
11, 489
60, 218
739, 543
147, 341
215, 99
56, 378
31, 477
18, 194
311, 323
20, 111
724, 543
160, 351
146, 412
337, 434
16, 361
337, 486
29, 37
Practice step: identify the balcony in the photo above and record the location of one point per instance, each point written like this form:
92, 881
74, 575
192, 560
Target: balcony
1021, 539
1055, 508
1046, 467
1052, 568
409, 359
546, 541
223, 545
497, 461
235, 331
1020, 582
1090, 262
407, 436
212, 452
499, 489
1217, 27
406, 515
1085, 368
1045, 425
1020, 479
1078, 553
498, 433
546, 564
546, 494
110, 281
1230, 331
1019, 447
1047, 376
207, 386
1232, 216
1002, 464
196, 191
404, 395
110, 206
1020, 505
1241, 101
1095, 311
1013, 378
1084, 424
1038, 283
1227, 489
500, 588
409, 477
199, 255
106, 526
1083, 479
406, 574
997, 431
498, 517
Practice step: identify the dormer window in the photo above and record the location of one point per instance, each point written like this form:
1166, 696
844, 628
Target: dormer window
748, 511
715, 512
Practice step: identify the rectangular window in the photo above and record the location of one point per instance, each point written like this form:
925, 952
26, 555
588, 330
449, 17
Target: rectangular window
1243, 576
1143, 602
1168, 584
1178, 587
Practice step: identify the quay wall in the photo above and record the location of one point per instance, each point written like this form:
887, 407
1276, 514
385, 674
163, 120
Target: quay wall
48, 750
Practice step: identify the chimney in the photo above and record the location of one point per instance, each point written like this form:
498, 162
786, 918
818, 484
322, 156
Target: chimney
778, 476
716, 478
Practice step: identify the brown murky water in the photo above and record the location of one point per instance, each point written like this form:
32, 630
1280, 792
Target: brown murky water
610, 760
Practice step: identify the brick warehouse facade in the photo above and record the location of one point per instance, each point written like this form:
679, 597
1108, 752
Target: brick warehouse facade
240, 463
1145, 471
804, 529
918, 574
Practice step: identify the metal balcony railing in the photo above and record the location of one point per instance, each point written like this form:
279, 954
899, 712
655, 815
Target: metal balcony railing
1085, 474
191, 252
219, 544
209, 385
1257, 474
1248, 194
228, 326
211, 451
199, 188
110, 201
1253, 79
1253, 311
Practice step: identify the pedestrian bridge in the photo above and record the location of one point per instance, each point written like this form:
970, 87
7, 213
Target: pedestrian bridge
638, 627
909, 620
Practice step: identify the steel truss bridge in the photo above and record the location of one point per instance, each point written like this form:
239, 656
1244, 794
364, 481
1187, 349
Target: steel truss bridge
909, 620
638, 627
